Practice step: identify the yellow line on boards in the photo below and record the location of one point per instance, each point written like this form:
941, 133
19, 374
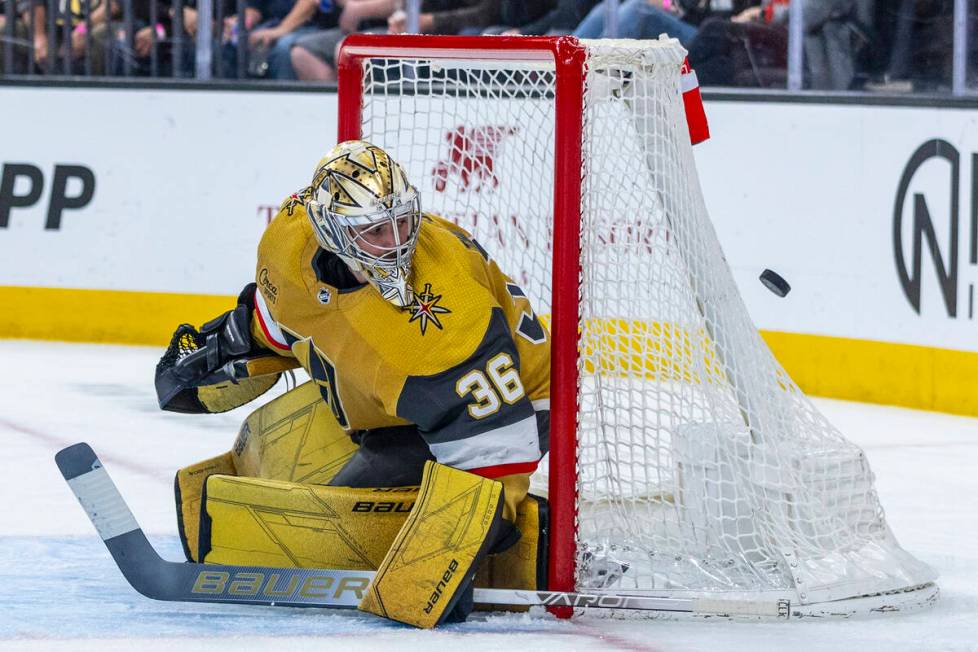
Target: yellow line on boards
103, 316
860, 370
880, 372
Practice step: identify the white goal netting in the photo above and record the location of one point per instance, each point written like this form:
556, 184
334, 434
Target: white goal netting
702, 468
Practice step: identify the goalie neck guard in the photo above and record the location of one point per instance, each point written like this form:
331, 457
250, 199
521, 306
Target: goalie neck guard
364, 210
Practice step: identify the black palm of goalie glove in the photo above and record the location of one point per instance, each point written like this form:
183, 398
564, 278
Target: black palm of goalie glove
217, 368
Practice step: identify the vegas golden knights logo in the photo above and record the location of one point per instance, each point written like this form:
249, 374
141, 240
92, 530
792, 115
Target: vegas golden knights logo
425, 309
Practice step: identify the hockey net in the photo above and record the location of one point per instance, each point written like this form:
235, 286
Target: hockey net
697, 466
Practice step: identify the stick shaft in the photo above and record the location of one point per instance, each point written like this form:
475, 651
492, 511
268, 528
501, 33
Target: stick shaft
159, 579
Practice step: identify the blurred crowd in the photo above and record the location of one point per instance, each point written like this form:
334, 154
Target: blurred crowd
893, 45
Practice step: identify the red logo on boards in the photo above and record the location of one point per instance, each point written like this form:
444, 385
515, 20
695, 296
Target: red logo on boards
471, 157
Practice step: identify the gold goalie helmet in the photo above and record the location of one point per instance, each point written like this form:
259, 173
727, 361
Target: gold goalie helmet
364, 210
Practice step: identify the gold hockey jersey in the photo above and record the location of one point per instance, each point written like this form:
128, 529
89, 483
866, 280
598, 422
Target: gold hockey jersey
468, 361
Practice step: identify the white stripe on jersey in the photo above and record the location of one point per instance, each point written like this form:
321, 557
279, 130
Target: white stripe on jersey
512, 444
269, 325
541, 404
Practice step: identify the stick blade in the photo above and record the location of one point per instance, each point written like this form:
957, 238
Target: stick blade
95, 491
76, 460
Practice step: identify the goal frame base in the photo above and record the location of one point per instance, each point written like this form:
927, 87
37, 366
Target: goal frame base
885, 604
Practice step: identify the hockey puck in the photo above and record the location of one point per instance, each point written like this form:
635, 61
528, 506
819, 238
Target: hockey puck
773, 282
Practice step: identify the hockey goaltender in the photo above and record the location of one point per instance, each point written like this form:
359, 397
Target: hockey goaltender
411, 449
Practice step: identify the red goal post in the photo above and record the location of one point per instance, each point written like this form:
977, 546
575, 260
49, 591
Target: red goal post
569, 59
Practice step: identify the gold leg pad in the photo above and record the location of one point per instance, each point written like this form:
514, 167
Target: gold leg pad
435, 554
258, 522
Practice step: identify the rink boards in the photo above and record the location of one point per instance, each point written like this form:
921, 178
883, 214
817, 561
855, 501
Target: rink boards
140, 209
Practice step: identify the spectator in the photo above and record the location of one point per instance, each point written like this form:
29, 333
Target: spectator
314, 56
641, 19
560, 20
82, 48
16, 33
829, 48
90, 51
933, 43
918, 44
748, 49
271, 25
280, 23
514, 14
163, 40
448, 16
896, 23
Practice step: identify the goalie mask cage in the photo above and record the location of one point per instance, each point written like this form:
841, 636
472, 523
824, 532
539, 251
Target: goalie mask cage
683, 460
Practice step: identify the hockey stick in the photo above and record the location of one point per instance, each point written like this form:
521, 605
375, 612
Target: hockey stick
159, 579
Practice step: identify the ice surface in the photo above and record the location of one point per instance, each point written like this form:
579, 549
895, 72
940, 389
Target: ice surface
59, 590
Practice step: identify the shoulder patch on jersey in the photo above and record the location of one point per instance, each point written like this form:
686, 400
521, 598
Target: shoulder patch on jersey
296, 199
530, 329
269, 289
425, 309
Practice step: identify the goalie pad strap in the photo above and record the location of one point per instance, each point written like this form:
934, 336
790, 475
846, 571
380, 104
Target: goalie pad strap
434, 557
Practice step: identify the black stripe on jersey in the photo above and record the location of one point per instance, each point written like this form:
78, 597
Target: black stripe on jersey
290, 339
478, 247
515, 290
543, 427
323, 372
442, 415
471, 243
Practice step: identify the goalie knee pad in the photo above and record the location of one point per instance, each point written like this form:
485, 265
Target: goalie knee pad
293, 437
254, 522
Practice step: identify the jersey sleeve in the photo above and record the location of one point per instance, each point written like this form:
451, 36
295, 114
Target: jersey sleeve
476, 415
265, 330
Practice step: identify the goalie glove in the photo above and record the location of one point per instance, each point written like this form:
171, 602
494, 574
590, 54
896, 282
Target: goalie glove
217, 368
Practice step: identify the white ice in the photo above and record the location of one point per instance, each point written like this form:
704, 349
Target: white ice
60, 590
